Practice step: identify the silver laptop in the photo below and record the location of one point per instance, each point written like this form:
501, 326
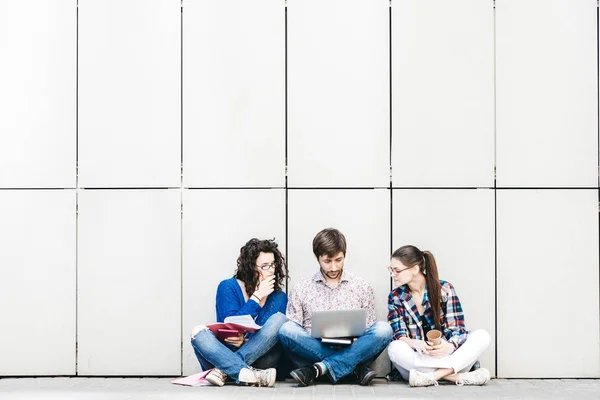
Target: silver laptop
338, 323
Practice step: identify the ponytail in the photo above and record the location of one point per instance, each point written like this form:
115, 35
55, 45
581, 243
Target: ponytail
411, 256
434, 288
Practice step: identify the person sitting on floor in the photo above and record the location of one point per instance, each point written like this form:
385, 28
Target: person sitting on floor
255, 290
419, 303
331, 288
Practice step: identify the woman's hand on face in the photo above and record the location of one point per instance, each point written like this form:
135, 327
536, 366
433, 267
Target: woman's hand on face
420, 346
442, 349
237, 341
265, 287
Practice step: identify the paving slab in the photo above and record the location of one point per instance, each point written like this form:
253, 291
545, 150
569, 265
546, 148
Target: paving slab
161, 388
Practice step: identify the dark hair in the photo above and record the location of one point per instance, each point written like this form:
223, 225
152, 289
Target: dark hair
246, 264
411, 256
329, 241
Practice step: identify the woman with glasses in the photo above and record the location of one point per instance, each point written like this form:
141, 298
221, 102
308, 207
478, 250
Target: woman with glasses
255, 290
421, 302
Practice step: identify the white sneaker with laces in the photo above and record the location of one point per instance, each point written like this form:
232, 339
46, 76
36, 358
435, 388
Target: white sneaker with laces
216, 377
247, 376
258, 377
421, 379
478, 377
265, 377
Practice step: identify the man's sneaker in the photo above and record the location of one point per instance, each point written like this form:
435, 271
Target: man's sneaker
257, 377
478, 377
216, 377
364, 375
421, 379
304, 376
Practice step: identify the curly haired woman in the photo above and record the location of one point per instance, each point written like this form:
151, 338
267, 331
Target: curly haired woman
255, 290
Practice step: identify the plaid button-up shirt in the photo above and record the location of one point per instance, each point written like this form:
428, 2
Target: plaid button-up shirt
405, 319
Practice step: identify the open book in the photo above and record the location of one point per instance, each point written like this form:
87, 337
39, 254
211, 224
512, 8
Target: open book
233, 326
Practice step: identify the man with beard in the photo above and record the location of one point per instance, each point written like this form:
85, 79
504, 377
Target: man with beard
331, 288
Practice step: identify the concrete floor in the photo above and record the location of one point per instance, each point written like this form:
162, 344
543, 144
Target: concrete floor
161, 388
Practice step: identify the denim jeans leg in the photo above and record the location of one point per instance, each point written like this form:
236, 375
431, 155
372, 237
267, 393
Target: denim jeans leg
263, 341
204, 363
269, 359
365, 349
302, 348
210, 350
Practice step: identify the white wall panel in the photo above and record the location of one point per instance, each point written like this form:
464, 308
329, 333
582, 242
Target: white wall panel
457, 226
338, 93
216, 224
548, 283
234, 74
37, 282
546, 93
443, 93
363, 216
37, 95
129, 93
129, 282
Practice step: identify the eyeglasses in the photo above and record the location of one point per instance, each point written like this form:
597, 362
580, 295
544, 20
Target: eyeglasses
396, 270
265, 267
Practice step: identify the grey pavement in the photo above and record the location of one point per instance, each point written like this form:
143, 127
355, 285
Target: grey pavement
161, 388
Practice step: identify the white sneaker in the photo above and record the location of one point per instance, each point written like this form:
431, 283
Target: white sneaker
258, 377
216, 377
480, 376
421, 379
266, 377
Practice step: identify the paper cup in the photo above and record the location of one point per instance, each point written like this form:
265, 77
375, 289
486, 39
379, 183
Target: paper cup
434, 336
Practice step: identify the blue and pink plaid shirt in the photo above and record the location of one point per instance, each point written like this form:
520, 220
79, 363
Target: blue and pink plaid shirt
405, 320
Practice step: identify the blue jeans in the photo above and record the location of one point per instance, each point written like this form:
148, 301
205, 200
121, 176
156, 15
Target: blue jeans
229, 359
305, 350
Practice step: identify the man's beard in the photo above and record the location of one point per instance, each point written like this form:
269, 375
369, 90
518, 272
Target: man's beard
338, 273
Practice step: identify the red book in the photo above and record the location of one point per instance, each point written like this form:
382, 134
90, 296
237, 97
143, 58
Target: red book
232, 326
